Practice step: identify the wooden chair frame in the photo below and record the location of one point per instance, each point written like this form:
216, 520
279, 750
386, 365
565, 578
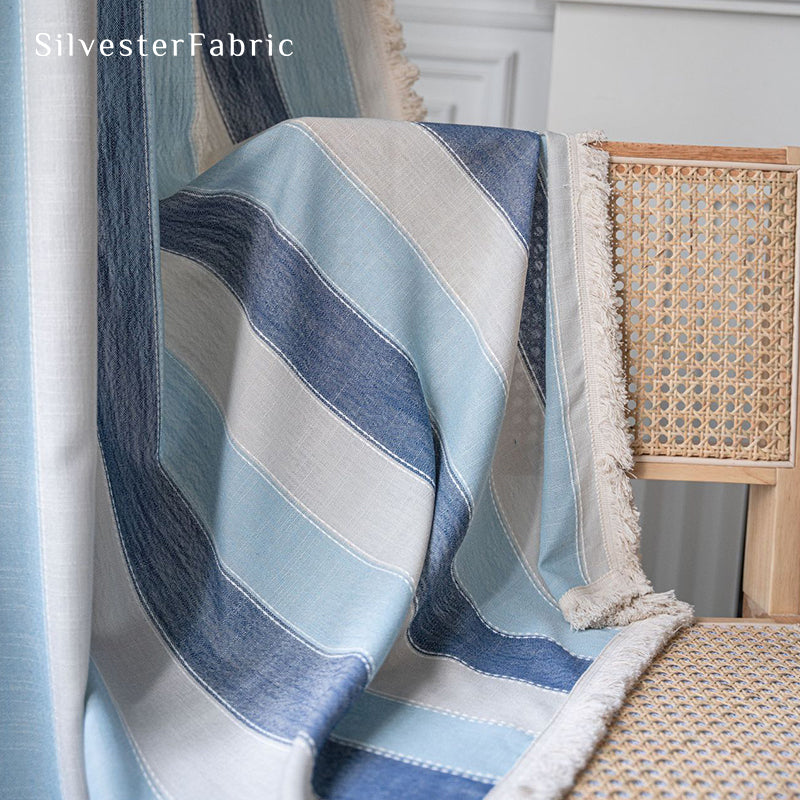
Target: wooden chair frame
771, 582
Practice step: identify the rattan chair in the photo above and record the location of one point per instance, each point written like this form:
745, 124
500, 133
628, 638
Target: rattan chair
706, 251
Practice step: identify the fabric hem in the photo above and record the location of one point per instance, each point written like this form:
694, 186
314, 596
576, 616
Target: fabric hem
624, 594
402, 73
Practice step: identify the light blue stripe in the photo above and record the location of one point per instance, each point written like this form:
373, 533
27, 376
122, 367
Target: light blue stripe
493, 577
174, 96
112, 769
372, 263
28, 762
316, 80
479, 749
321, 588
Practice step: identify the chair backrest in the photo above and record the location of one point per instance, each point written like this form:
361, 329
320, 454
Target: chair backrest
705, 246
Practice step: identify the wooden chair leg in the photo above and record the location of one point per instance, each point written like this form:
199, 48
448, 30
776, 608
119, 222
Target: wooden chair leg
771, 584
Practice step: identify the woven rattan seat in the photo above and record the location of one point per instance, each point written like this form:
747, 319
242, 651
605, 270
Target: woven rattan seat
717, 715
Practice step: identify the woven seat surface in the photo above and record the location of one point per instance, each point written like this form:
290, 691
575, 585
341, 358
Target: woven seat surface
717, 715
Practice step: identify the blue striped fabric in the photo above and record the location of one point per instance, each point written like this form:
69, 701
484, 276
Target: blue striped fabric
359, 530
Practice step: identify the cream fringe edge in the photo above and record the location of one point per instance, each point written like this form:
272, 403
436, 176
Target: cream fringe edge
624, 595
549, 767
402, 72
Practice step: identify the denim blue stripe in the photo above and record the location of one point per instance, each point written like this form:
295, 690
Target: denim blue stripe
322, 590
482, 750
317, 80
342, 772
494, 157
447, 624
275, 681
245, 87
174, 97
354, 369
112, 767
28, 760
532, 324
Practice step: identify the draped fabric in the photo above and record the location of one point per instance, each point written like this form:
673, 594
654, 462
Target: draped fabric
313, 458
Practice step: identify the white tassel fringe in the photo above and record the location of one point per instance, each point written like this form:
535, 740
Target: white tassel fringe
404, 74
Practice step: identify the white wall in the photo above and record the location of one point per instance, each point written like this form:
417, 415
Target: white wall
655, 70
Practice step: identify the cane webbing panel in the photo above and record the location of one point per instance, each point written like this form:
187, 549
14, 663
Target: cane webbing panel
717, 715
705, 256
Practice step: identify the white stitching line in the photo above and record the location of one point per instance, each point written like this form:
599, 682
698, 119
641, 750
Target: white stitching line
470, 174
518, 636
480, 777
455, 475
482, 671
568, 438
333, 535
493, 360
533, 574
415, 703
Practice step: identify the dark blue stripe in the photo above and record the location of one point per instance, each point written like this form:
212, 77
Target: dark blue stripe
446, 623
533, 322
275, 680
246, 87
355, 370
342, 772
494, 157
501, 160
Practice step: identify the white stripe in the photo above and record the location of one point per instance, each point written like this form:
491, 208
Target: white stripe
60, 118
190, 744
309, 449
479, 238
